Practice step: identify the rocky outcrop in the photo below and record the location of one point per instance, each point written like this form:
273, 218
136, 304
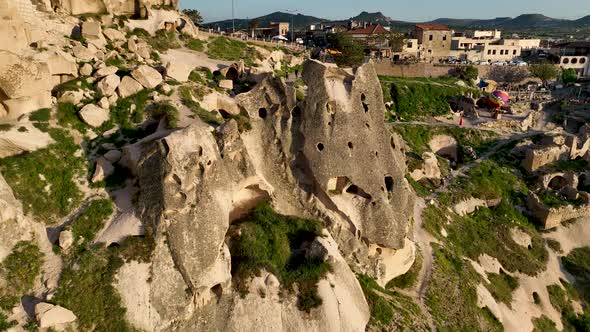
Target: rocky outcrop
116, 7
147, 76
14, 141
53, 316
429, 169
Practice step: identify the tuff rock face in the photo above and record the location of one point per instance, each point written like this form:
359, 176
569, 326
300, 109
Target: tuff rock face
194, 182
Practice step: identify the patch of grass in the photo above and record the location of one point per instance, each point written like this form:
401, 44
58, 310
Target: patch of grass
554, 245
420, 189
74, 85
273, 242
168, 111
115, 61
544, 324
67, 116
501, 286
554, 199
4, 323
391, 310
415, 98
20, 269
5, 127
577, 263
42, 115
223, 48
124, 117
87, 225
187, 99
452, 296
418, 137
195, 44
22, 129
59, 167
408, 279
163, 40
86, 288
489, 180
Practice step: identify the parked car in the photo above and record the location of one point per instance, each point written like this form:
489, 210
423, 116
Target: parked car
499, 63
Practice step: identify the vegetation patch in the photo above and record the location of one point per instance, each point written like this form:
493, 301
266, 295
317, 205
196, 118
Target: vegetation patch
4, 323
169, 112
577, 263
415, 98
42, 115
87, 225
188, 100
391, 310
544, 324
67, 116
410, 278
195, 44
223, 48
452, 296
278, 245
128, 112
44, 180
501, 286
20, 269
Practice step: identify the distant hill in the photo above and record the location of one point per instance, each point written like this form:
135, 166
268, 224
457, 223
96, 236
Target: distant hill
299, 21
377, 17
524, 21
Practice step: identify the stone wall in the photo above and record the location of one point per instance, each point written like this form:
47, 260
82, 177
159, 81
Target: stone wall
553, 217
386, 68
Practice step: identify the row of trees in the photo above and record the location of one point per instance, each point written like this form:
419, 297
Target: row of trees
544, 71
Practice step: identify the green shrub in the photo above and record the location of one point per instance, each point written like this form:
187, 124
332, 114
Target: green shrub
42, 115
4, 323
544, 324
74, 85
91, 221
5, 127
122, 115
58, 165
195, 44
408, 279
223, 48
501, 286
187, 99
85, 287
20, 269
67, 116
168, 111
272, 242
554, 245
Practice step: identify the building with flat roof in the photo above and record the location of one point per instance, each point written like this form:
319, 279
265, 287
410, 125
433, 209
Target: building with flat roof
434, 40
574, 55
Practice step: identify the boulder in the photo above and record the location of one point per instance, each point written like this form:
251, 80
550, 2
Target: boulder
113, 156
93, 115
113, 34
129, 87
104, 103
92, 32
226, 84
83, 53
66, 239
139, 47
14, 142
59, 62
108, 85
19, 106
86, 69
104, 169
179, 70
106, 71
20, 77
52, 316
3, 111
147, 76
73, 97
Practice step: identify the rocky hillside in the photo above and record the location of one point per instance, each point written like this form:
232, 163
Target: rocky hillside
155, 178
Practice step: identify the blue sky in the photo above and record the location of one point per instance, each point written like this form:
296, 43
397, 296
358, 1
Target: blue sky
411, 10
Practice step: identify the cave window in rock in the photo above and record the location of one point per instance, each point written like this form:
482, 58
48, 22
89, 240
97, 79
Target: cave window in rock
366, 107
217, 290
320, 147
262, 113
336, 185
357, 191
389, 183
368, 126
350, 145
392, 143
557, 183
296, 112
224, 114
363, 97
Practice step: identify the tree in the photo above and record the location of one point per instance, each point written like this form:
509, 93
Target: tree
465, 73
544, 71
253, 25
508, 74
352, 52
569, 76
194, 15
396, 41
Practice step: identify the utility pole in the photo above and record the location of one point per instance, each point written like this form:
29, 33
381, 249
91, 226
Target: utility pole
233, 17
292, 27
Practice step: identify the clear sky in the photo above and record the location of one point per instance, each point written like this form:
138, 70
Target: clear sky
408, 10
